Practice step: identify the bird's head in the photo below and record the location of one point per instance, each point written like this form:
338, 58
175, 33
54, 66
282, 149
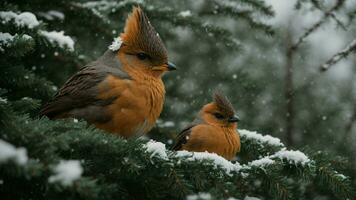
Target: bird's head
220, 112
142, 48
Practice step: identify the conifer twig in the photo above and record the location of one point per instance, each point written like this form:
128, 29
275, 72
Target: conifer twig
338, 56
327, 14
317, 5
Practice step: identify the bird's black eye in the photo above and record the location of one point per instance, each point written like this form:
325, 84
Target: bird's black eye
218, 116
142, 56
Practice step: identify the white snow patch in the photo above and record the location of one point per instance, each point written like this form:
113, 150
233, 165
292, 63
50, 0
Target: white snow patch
261, 138
116, 44
3, 100
27, 37
293, 157
156, 148
5, 39
251, 198
200, 196
59, 38
66, 172
218, 161
10, 152
168, 124
165, 124
27, 19
261, 162
343, 177
52, 14
186, 13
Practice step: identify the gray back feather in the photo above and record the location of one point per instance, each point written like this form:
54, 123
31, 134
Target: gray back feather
78, 96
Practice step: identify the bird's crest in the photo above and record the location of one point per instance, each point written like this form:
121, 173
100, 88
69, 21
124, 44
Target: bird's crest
223, 104
140, 35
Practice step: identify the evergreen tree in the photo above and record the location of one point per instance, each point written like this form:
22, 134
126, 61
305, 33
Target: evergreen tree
42, 44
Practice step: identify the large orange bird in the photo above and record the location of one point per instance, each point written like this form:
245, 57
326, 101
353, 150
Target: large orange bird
121, 92
214, 130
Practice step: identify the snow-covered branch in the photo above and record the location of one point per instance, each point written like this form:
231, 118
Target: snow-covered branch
340, 55
329, 13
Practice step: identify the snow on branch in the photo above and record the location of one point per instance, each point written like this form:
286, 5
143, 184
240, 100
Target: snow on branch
293, 157
340, 55
52, 15
156, 149
186, 13
66, 172
261, 138
6, 39
251, 198
10, 152
25, 19
265, 161
217, 160
199, 196
59, 38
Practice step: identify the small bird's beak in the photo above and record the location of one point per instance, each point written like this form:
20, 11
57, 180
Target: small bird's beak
171, 66
234, 118
165, 67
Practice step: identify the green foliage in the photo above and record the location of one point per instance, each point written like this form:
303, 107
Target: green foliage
118, 168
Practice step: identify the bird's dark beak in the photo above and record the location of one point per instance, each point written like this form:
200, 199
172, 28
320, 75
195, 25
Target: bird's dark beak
234, 118
171, 66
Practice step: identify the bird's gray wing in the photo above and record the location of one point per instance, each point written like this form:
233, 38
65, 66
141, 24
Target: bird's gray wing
78, 96
184, 135
182, 138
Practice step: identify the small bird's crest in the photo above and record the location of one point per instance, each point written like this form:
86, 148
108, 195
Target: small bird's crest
223, 104
141, 35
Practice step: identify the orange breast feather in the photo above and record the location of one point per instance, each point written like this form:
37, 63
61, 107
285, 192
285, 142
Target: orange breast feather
222, 141
137, 105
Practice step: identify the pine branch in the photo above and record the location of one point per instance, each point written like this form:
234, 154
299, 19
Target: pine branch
22, 80
236, 10
261, 6
254, 142
327, 177
339, 184
351, 48
318, 6
131, 162
314, 27
17, 45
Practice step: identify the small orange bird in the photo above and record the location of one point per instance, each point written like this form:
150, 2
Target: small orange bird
214, 130
121, 92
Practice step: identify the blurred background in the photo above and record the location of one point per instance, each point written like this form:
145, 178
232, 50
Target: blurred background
266, 56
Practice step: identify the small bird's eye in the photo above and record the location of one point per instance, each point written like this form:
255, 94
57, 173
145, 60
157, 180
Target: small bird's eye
218, 116
142, 56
